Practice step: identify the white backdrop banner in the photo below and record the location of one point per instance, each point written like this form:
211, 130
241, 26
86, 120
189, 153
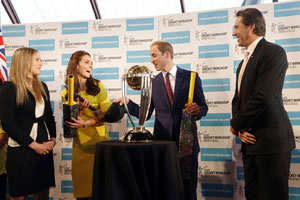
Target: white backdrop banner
203, 42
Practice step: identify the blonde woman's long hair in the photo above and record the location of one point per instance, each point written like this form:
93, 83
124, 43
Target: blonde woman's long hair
20, 68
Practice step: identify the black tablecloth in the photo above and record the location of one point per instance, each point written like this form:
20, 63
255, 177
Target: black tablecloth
137, 171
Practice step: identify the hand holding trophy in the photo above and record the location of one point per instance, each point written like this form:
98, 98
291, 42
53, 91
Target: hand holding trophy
138, 78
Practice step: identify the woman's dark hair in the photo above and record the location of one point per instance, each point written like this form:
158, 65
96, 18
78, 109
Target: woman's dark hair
253, 16
91, 83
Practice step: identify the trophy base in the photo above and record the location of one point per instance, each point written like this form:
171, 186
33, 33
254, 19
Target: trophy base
138, 136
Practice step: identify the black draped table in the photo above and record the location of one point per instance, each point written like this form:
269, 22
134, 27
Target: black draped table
137, 171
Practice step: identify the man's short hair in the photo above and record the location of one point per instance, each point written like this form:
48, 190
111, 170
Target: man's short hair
253, 16
164, 46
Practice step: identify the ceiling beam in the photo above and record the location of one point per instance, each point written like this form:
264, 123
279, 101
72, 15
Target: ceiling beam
182, 6
11, 12
95, 9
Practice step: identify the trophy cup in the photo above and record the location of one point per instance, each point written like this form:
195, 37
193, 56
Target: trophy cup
138, 78
70, 109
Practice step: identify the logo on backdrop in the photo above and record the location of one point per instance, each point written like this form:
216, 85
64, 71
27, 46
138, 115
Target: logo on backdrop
131, 41
99, 58
184, 54
64, 169
67, 44
212, 175
282, 28
290, 101
241, 191
294, 65
168, 21
12, 47
203, 68
216, 104
37, 30
100, 26
206, 137
205, 35
294, 177
49, 61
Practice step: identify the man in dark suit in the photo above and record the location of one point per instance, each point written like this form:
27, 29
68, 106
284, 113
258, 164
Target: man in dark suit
258, 115
167, 112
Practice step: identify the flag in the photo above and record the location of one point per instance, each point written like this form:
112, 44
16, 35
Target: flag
3, 66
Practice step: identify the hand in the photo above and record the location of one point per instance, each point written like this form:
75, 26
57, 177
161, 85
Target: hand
234, 132
76, 123
120, 101
49, 144
41, 149
192, 109
83, 105
246, 137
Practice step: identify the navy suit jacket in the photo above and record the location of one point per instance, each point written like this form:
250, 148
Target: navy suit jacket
168, 118
259, 107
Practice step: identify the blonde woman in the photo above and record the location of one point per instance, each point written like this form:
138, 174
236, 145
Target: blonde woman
90, 128
27, 118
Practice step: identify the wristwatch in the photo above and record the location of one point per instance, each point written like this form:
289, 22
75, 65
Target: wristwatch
54, 141
85, 124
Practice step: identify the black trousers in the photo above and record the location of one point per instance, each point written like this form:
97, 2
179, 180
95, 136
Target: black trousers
266, 176
190, 185
3, 183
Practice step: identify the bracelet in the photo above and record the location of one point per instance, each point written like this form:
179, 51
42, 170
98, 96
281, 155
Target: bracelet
54, 141
85, 124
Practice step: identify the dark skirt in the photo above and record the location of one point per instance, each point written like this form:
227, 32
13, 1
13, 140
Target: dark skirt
28, 172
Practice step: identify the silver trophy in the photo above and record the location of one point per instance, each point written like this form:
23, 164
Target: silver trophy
138, 78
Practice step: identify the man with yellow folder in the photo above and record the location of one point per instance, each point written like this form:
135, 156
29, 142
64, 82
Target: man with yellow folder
170, 91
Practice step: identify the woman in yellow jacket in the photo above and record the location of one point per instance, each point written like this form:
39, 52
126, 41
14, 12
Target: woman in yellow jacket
90, 128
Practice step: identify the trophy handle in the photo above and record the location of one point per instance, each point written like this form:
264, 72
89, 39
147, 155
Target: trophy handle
124, 100
145, 98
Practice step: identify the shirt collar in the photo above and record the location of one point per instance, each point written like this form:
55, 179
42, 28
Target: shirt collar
253, 45
172, 72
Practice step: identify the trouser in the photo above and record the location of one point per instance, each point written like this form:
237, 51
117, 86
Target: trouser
266, 176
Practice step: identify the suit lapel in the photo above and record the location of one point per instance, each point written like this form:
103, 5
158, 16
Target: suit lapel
250, 63
178, 84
